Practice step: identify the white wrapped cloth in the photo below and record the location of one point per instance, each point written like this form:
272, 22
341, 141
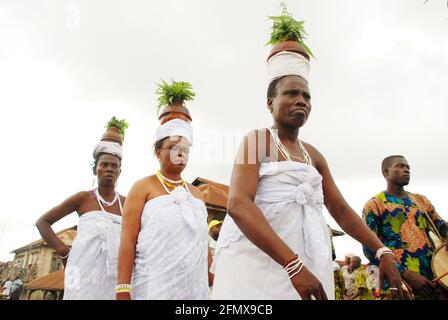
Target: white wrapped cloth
290, 196
91, 268
109, 147
175, 127
286, 63
171, 256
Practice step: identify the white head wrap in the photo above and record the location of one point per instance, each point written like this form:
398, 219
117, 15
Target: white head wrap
109, 147
175, 127
286, 63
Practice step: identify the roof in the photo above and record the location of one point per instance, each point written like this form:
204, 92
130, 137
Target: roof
215, 194
68, 234
52, 281
199, 181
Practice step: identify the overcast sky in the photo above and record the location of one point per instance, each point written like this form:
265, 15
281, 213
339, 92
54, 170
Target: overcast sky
378, 85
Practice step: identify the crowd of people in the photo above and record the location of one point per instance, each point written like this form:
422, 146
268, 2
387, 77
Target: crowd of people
354, 281
11, 289
274, 242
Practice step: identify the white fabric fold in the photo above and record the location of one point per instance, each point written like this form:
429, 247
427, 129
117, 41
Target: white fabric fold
290, 196
175, 127
286, 63
109, 147
171, 256
91, 268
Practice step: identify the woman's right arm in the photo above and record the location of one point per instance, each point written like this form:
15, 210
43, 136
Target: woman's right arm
130, 228
44, 223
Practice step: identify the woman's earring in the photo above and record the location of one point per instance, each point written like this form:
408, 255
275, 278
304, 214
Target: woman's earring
93, 182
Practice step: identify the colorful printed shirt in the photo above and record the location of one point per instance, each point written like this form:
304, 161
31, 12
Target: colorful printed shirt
401, 224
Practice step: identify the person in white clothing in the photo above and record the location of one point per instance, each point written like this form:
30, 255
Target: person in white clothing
164, 251
6, 289
274, 242
91, 263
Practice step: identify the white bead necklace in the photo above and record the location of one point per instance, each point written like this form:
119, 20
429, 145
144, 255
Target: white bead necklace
106, 203
284, 151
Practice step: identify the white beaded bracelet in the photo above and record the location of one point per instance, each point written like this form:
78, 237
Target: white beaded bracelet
294, 267
381, 251
293, 274
64, 257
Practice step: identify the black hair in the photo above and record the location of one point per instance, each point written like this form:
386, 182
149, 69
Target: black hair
158, 144
387, 162
272, 88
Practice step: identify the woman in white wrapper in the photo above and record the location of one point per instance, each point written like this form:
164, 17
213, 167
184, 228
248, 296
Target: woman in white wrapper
164, 244
90, 264
274, 242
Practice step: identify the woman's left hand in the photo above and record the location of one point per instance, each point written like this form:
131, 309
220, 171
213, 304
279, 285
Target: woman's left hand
389, 271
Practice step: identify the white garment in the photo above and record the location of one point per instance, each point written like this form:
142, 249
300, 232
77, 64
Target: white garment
336, 266
373, 278
172, 250
290, 196
286, 63
7, 288
212, 245
91, 270
16, 285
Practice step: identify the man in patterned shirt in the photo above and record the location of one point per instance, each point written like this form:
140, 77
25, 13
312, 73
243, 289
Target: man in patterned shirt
400, 219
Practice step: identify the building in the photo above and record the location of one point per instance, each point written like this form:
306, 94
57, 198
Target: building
49, 287
216, 196
38, 264
7, 271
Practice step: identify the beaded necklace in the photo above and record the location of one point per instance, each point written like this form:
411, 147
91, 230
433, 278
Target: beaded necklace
284, 151
106, 203
167, 181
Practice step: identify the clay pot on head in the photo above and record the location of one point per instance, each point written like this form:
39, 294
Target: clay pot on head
112, 135
177, 111
291, 46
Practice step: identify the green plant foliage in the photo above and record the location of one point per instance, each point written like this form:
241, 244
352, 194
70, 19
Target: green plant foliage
121, 125
286, 28
176, 92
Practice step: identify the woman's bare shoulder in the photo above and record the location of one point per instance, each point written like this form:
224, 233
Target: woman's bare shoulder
315, 154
